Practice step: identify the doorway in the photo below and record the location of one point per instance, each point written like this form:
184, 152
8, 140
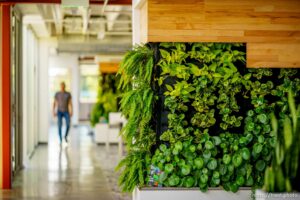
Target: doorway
16, 91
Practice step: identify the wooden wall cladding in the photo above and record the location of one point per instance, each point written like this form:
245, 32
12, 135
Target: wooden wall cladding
109, 67
271, 28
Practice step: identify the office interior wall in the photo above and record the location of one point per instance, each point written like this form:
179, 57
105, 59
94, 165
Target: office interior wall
30, 69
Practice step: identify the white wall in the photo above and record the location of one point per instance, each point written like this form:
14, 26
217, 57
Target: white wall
30, 117
45, 45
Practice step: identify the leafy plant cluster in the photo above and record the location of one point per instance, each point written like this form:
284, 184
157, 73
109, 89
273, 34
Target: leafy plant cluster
107, 100
219, 127
137, 106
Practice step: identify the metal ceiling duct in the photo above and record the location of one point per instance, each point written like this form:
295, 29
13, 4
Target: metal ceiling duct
91, 45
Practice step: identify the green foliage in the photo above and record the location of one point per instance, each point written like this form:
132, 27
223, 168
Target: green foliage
97, 113
219, 125
107, 98
136, 68
137, 106
220, 113
134, 173
281, 176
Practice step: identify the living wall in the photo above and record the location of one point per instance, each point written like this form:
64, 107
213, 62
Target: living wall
199, 115
107, 100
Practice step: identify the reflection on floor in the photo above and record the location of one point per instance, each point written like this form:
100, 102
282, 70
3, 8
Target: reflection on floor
82, 170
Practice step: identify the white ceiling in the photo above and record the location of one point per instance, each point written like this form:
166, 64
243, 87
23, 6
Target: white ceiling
109, 25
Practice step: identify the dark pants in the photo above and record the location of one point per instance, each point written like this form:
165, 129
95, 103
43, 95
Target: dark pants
60, 115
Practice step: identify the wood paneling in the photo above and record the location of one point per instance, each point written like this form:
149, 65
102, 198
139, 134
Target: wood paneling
109, 67
271, 28
275, 55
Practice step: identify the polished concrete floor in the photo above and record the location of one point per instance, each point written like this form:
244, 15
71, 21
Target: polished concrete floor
81, 170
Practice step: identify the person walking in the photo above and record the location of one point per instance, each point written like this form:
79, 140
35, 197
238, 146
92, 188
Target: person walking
63, 108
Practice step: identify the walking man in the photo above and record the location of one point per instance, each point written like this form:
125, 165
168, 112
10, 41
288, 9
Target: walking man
62, 108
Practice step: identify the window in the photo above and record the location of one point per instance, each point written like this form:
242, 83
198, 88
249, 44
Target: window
89, 74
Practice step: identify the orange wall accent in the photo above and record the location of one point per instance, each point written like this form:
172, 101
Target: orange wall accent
271, 28
5, 95
109, 67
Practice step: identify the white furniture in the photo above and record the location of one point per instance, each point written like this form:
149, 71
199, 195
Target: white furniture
115, 121
110, 133
101, 133
106, 134
189, 194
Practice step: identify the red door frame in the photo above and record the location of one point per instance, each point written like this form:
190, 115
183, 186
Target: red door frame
6, 126
6, 85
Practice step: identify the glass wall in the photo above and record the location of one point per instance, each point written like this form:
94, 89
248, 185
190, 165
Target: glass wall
89, 73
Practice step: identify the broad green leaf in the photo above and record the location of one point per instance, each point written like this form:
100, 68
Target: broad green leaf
226, 159
212, 164
274, 124
262, 118
160, 81
279, 151
213, 67
234, 79
232, 67
288, 133
260, 165
198, 163
169, 168
257, 148
217, 75
165, 54
293, 110
288, 185
240, 180
194, 69
245, 153
185, 170
247, 76
237, 160
169, 87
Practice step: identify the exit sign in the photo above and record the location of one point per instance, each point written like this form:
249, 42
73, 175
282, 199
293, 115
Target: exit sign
75, 3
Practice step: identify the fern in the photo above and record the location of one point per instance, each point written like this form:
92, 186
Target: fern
137, 63
137, 106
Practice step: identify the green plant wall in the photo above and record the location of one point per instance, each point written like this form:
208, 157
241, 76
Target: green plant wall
198, 114
107, 100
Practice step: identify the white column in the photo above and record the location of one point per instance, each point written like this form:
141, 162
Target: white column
43, 91
75, 87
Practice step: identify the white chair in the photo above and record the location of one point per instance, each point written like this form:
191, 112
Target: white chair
101, 133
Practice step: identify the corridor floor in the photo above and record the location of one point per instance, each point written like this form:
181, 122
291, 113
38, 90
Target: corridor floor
82, 170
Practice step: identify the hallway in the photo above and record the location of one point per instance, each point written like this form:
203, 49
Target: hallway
81, 170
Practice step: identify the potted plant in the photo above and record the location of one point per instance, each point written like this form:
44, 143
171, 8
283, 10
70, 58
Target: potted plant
282, 177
